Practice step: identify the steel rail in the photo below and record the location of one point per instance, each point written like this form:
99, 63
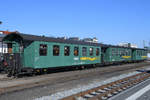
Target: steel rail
110, 89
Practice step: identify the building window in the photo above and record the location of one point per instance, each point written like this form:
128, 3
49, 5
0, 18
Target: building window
76, 51
66, 50
97, 51
56, 50
84, 50
43, 50
91, 51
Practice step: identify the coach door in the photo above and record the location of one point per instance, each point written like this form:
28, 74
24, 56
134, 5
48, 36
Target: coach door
103, 50
9, 45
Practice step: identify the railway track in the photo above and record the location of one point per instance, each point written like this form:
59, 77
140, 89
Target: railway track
127, 67
106, 91
18, 84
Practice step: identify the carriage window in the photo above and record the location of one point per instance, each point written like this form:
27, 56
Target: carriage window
113, 52
116, 52
129, 53
120, 53
91, 51
145, 53
66, 50
138, 53
43, 50
76, 51
84, 51
56, 50
126, 52
97, 51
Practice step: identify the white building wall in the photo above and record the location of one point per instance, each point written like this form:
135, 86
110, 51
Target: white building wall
3, 49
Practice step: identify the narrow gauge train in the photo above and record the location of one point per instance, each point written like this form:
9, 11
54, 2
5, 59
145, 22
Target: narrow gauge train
29, 54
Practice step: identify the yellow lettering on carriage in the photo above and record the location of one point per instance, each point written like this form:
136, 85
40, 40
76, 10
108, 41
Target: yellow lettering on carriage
126, 57
144, 56
89, 58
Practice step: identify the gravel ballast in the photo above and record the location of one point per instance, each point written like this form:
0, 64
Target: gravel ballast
80, 88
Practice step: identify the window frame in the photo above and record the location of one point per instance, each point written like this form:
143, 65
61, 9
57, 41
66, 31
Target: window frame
84, 51
77, 51
113, 52
67, 52
117, 51
55, 53
97, 50
43, 50
91, 52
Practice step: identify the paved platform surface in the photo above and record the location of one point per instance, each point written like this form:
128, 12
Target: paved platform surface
145, 96
139, 92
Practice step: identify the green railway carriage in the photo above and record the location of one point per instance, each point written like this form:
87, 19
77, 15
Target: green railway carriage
39, 52
139, 54
30, 54
115, 54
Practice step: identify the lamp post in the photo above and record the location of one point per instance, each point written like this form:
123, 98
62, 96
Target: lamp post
1, 42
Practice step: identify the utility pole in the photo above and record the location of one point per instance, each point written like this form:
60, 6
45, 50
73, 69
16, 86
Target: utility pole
149, 47
143, 43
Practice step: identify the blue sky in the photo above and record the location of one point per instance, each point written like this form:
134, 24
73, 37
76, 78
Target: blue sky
111, 21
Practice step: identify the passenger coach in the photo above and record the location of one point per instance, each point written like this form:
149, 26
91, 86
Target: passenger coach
116, 54
30, 53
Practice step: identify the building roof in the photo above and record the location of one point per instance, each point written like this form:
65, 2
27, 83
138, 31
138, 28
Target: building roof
8, 32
